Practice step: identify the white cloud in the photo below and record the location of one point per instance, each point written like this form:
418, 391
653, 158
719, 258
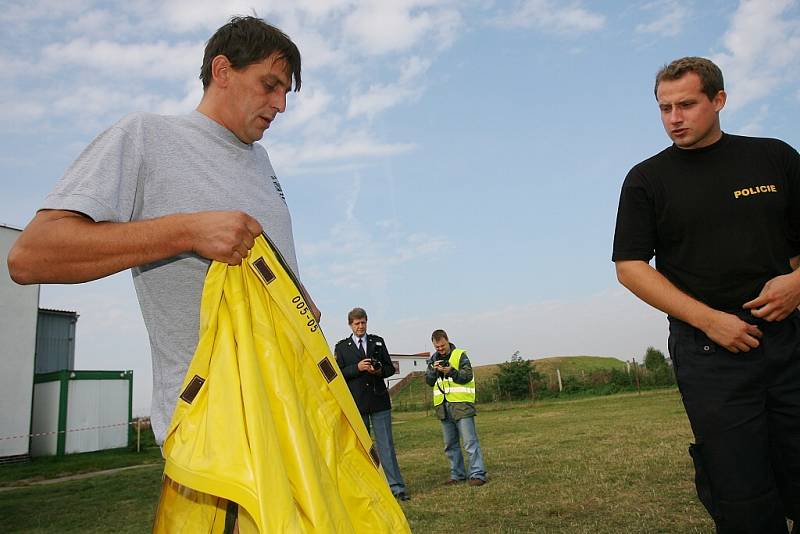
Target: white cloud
310, 104
145, 56
380, 97
378, 27
550, 17
762, 50
319, 9
97, 23
15, 13
159, 61
170, 106
98, 101
25, 109
347, 146
316, 51
189, 15
671, 16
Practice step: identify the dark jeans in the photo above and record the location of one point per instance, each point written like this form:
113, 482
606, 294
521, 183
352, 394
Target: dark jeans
745, 414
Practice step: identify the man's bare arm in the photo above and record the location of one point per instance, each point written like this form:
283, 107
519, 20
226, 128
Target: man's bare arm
67, 247
652, 287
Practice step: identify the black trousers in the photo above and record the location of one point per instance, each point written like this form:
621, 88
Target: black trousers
745, 414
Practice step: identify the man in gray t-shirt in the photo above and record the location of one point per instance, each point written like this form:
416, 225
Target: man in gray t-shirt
164, 195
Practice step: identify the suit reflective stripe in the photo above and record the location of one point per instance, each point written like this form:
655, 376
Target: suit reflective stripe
458, 389
446, 388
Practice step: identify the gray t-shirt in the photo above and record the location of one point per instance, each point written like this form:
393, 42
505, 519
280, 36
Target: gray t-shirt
147, 166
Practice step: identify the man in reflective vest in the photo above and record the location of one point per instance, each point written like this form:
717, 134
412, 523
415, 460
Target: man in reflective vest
450, 374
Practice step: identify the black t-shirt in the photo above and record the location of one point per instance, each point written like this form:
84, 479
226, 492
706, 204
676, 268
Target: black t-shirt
721, 220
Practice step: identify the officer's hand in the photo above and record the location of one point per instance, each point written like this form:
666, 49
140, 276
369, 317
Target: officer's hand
732, 333
778, 298
225, 236
364, 365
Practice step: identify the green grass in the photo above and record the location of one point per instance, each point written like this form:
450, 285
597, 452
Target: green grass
49, 467
73, 464
602, 465
121, 503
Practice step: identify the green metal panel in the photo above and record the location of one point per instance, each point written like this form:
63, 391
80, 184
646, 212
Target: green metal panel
130, 407
49, 377
62, 415
101, 375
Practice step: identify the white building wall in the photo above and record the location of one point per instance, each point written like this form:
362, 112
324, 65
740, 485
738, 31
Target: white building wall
406, 366
45, 418
100, 406
19, 306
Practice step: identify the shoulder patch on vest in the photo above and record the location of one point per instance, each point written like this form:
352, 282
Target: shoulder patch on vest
266, 273
327, 369
192, 389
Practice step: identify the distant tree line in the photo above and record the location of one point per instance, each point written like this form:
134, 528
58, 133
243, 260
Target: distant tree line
518, 379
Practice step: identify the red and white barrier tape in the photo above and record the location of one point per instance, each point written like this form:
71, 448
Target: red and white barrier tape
65, 431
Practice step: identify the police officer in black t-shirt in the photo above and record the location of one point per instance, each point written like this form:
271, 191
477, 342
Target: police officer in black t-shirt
721, 215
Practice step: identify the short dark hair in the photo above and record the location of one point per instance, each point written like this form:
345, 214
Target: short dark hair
356, 313
248, 40
439, 334
710, 75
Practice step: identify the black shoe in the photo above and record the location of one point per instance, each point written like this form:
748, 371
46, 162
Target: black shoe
402, 496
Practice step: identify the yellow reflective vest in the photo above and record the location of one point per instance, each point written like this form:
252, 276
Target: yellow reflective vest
446, 388
265, 418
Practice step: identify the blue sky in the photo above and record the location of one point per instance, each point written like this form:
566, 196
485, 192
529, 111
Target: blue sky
447, 164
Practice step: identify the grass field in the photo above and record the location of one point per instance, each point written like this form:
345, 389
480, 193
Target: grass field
603, 465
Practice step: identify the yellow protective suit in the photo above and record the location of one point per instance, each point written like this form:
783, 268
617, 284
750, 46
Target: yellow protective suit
265, 419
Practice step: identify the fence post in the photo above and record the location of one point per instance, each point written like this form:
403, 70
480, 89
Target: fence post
530, 386
425, 402
636, 374
560, 385
138, 434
